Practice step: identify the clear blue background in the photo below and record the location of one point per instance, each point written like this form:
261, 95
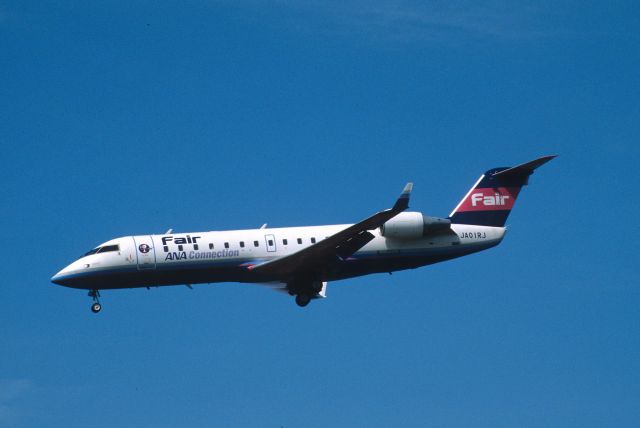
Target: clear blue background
123, 118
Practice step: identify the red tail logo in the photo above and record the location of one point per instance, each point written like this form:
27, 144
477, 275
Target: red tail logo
487, 199
497, 199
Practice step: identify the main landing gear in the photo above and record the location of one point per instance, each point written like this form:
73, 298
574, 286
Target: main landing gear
96, 307
305, 290
302, 300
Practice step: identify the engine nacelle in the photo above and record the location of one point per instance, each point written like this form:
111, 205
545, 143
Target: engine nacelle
413, 225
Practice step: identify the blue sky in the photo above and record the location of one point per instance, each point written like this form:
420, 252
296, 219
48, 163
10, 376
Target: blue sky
128, 118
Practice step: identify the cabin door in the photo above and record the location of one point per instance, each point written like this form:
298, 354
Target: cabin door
145, 252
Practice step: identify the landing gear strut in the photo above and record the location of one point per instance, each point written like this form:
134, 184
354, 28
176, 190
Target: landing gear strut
96, 307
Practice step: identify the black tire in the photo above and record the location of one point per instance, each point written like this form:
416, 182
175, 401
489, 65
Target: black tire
96, 307
302, 300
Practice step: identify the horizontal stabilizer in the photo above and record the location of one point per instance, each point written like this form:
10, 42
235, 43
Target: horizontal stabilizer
524, 169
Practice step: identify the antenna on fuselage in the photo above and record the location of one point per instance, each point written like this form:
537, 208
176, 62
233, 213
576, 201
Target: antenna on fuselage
169, 232
264, 226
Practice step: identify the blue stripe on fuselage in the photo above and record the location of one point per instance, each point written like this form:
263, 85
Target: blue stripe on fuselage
361, 263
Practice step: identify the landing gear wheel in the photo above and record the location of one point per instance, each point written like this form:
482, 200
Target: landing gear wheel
302, 300
95, 295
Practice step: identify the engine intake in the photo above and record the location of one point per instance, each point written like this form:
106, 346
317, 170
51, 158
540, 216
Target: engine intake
413, 225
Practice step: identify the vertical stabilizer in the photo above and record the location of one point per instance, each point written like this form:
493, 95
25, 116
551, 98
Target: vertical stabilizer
491, 199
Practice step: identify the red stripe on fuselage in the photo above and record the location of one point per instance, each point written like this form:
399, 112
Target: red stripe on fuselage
490, 199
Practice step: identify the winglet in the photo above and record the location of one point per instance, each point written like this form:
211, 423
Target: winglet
403, 201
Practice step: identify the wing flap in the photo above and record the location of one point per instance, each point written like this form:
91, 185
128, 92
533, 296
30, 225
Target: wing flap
353, 244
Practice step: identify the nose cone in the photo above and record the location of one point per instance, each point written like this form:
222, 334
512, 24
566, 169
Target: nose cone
61, 277
57, 279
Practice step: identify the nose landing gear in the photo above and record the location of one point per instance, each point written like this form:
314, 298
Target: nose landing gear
96, 307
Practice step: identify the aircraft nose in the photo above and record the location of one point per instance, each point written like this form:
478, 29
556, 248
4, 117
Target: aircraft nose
57, 279
60, 277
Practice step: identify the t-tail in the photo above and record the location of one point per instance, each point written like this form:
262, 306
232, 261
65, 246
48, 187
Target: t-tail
492, 198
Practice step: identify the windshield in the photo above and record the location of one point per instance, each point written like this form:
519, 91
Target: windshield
105, 249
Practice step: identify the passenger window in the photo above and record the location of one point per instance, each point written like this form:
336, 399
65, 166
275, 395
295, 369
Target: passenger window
211, 246
284, 242
166, 248
195, 247
270, 242
299, 240
255, 243
226, 245
241, 244
179, 247
313, 240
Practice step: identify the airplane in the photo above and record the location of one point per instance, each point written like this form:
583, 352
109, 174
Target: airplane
300, 261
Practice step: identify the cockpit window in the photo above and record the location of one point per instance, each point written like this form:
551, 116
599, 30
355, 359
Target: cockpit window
95, 250
105, 249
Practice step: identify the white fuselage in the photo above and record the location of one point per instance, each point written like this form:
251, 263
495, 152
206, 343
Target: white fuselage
227, 256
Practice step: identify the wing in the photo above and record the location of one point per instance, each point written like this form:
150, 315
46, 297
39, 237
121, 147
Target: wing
339, 246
